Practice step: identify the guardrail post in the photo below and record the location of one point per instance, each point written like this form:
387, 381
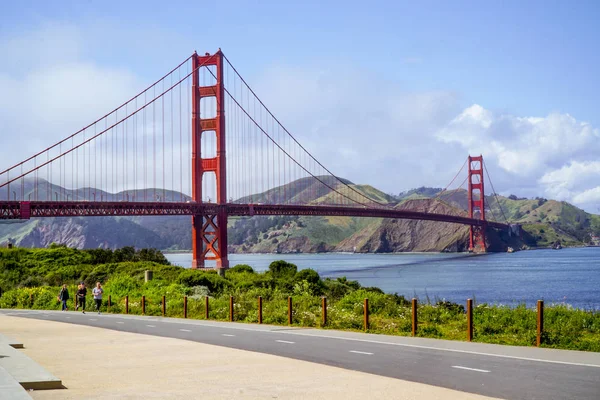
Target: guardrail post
143, 305
206, 307
109, 303
470, 320
366, 314
324, 307
289, 310
184, 306
415, 317
540, 322
260, 309
164, 306
230, 308
127, 304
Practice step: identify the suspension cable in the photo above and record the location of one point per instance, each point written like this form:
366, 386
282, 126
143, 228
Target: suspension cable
101, 133
296, 141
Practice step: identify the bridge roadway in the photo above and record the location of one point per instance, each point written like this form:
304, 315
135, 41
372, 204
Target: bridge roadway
492, 370
38, 209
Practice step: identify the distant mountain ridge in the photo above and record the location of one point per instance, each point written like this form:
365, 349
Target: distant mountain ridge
545, 222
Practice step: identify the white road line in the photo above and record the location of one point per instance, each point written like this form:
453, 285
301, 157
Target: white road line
414, 346
285, 341
470, 369
227, 334
68, 317
93, 319
151, 326
361, 352
120, 322
185, 330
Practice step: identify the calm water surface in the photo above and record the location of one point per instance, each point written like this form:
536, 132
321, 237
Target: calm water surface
569, 276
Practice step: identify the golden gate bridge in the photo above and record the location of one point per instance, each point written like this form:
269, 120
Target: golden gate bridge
201, 129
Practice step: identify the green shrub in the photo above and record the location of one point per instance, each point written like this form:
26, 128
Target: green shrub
241, 268
282, 269
214, 282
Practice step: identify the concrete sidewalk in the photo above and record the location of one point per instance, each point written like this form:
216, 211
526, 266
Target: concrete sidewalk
96, 363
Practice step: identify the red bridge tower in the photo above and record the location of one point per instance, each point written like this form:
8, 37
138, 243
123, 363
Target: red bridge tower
476, 204
209, 231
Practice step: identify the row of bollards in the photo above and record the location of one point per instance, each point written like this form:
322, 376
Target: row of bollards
414, 304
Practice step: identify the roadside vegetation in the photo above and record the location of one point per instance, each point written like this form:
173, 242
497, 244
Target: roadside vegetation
31, 279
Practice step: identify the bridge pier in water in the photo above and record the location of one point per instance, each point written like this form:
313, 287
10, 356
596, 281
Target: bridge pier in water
209, 231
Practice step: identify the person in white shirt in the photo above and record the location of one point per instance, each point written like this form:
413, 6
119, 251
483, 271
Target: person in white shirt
97, 292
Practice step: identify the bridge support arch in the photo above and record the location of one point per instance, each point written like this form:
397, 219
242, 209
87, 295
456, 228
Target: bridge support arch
209, 231
476, 197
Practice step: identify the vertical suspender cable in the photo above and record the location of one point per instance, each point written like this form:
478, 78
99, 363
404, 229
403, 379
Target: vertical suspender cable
154, 146
163, 144
180, 145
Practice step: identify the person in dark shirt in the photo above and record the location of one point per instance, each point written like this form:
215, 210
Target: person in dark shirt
63, 296
81, 293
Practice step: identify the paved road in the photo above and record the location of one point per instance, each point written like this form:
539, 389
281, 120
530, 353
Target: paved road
498, 371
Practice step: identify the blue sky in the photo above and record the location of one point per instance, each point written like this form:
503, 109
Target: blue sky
457, 76
531, 58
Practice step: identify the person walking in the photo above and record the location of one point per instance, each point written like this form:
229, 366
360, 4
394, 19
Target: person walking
77, 297
97, 292
63, 296
81, 293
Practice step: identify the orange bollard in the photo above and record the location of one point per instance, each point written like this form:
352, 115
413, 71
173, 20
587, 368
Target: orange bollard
206, 307
415, 318
470, 320
366, 314
324, 307
540, 322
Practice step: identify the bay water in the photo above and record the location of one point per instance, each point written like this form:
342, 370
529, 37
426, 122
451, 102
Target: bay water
570, 276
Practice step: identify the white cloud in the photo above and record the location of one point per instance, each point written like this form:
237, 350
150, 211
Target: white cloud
589, 198
548, 156
575, 182
524, 146
50, 90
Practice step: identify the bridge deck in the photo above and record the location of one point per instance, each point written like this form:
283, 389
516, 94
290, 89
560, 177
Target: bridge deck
37, 209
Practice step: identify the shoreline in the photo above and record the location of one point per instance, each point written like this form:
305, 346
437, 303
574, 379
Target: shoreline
389, 253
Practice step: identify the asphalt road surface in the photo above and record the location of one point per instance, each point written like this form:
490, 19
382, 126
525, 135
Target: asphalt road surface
499, 371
